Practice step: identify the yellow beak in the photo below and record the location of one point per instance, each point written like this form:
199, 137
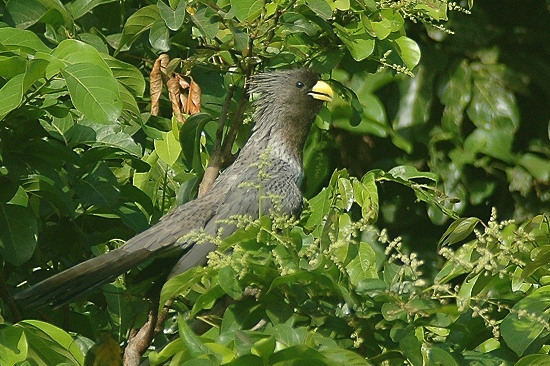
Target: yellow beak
322, 91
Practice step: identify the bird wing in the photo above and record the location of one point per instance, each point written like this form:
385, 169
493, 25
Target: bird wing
247, 197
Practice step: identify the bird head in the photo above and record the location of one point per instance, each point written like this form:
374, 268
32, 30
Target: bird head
286, 103
286, 95
291, 87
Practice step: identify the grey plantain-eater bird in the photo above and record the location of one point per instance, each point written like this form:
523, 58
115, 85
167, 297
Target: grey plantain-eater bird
266, 175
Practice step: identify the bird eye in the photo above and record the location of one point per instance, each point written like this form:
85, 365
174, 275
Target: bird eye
299, 84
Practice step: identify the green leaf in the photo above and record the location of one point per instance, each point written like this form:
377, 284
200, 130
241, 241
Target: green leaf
526, 321
206, 22
395, 18
439, 356
116, 303
20, 198
246, 10
95, 41
127, 74
363, 266
139, 22
18, 39
320, 7
159, 36
319, 207
132, 216
18, 233
539, 262
533, 360
409, 51
480, 190
365, 193
407, 172
380, 26
191, 342
295, 23
79, 8
411, 348
342, 4
450, 269
246, 360
538, 167
173, 18
12, 66
288, 336
359, 43
458, 230
168, 149
13, 345
50, 345
206, 300
433, 9
415, 100
494, 142
108, 136
466, 291
326, 61
51, 191
457, 86
342, 356
227, 279
492, 105
190, 140
71, 51
298, 355
129, 105
180, 284
11, 95
12, 91
302, 277
93, 91
264, 347
26, 13
98, 187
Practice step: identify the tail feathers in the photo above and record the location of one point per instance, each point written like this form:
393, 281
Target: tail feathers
75, 281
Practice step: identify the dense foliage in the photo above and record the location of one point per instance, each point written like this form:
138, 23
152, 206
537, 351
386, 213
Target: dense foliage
441, 123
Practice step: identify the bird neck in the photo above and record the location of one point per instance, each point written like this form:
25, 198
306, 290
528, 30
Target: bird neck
282, 134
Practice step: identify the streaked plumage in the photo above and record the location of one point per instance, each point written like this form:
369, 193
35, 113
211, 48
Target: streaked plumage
284, 111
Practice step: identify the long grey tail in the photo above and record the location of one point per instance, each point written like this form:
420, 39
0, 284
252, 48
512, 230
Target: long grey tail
82, 278
160, 238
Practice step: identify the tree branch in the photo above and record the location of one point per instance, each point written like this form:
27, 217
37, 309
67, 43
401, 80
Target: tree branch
139, 341
216, 159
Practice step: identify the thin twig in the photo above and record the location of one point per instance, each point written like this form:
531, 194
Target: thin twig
237, 122
216, 159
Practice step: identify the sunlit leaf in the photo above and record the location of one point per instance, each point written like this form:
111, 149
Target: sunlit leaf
139, 22
458, 230
522, 325
246, 10
173, 18
93, 91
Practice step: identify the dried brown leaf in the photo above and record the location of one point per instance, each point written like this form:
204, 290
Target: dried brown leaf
155, 87
183, 101
156, 82
184, 84
174, 94
164, 60
194, 98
